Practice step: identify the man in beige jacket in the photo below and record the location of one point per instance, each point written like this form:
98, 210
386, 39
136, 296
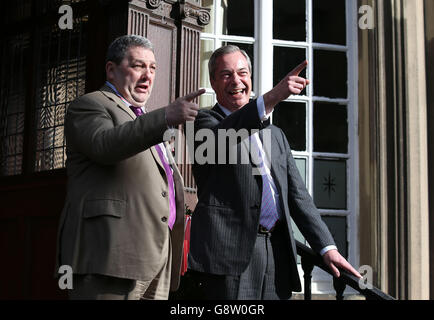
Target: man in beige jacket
122, 226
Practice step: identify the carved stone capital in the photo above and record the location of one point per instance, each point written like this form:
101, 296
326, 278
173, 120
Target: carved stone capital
200, 15
188, 11
153, 4
162, 8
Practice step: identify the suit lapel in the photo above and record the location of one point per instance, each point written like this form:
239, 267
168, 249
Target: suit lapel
108, 92
172, 161
170, 158
271, 150
217, 109
156, 156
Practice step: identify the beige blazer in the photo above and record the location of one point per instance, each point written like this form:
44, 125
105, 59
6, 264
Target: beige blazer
115, 218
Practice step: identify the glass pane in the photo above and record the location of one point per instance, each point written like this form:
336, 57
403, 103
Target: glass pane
48, 138
297, 236
17, 10
249, 49
289, 20
45, 117
38, 161
12, 165
286, 59
291, 118
59, 158
11, 126
301, 166
59, 117
44, 161
59, 137
330, 128
39, 140
209, 4
238, 17
19, 146
45, 6
206, 101
330, 74
330, 184
14, 145
14, 123
338, 229
329, 22
206, 50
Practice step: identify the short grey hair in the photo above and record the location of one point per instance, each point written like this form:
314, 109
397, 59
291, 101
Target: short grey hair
118, 48
221, 52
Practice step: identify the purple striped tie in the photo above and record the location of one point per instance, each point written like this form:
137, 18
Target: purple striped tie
269, 214
169, 174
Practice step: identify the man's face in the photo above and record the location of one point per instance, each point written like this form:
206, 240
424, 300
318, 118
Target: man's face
232, 81
134, 76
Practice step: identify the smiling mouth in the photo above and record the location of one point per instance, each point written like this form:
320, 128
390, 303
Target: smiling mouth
237, 91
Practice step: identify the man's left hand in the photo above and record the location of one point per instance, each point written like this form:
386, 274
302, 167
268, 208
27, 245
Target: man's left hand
334, 260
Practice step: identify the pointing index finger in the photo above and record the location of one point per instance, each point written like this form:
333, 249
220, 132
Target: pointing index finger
193, 95
296, 71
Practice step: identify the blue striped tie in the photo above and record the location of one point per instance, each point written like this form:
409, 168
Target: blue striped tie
269, 215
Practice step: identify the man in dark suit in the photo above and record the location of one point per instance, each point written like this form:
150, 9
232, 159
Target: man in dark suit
122, 226
242, 244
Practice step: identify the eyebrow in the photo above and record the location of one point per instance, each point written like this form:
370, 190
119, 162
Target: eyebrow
238, 70
142, 61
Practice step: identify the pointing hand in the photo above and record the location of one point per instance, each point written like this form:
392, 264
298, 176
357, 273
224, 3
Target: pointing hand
292, 83
183, 109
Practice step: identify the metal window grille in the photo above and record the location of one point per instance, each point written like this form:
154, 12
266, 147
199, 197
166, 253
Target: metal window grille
12, 104
60, 79
41, 72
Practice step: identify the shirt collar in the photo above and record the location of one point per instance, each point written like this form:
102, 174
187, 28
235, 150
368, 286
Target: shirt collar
121, 97
118, 94
225, 111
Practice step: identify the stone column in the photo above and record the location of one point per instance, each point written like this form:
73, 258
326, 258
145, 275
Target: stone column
393, 148
429, 42
417, 150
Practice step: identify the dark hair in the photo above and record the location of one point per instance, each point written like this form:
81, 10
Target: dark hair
117, 50
222, 51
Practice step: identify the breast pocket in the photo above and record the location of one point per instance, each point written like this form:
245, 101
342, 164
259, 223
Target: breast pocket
104, 207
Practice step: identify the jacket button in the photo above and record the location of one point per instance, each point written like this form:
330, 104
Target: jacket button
164, 194
164, 219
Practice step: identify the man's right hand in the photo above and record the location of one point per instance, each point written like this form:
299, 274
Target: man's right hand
292, 83
183, 109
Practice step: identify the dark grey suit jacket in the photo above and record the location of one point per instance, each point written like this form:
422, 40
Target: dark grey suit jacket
226, 219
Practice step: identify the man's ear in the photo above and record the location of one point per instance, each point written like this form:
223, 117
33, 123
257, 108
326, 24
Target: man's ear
110, 70
212, 82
